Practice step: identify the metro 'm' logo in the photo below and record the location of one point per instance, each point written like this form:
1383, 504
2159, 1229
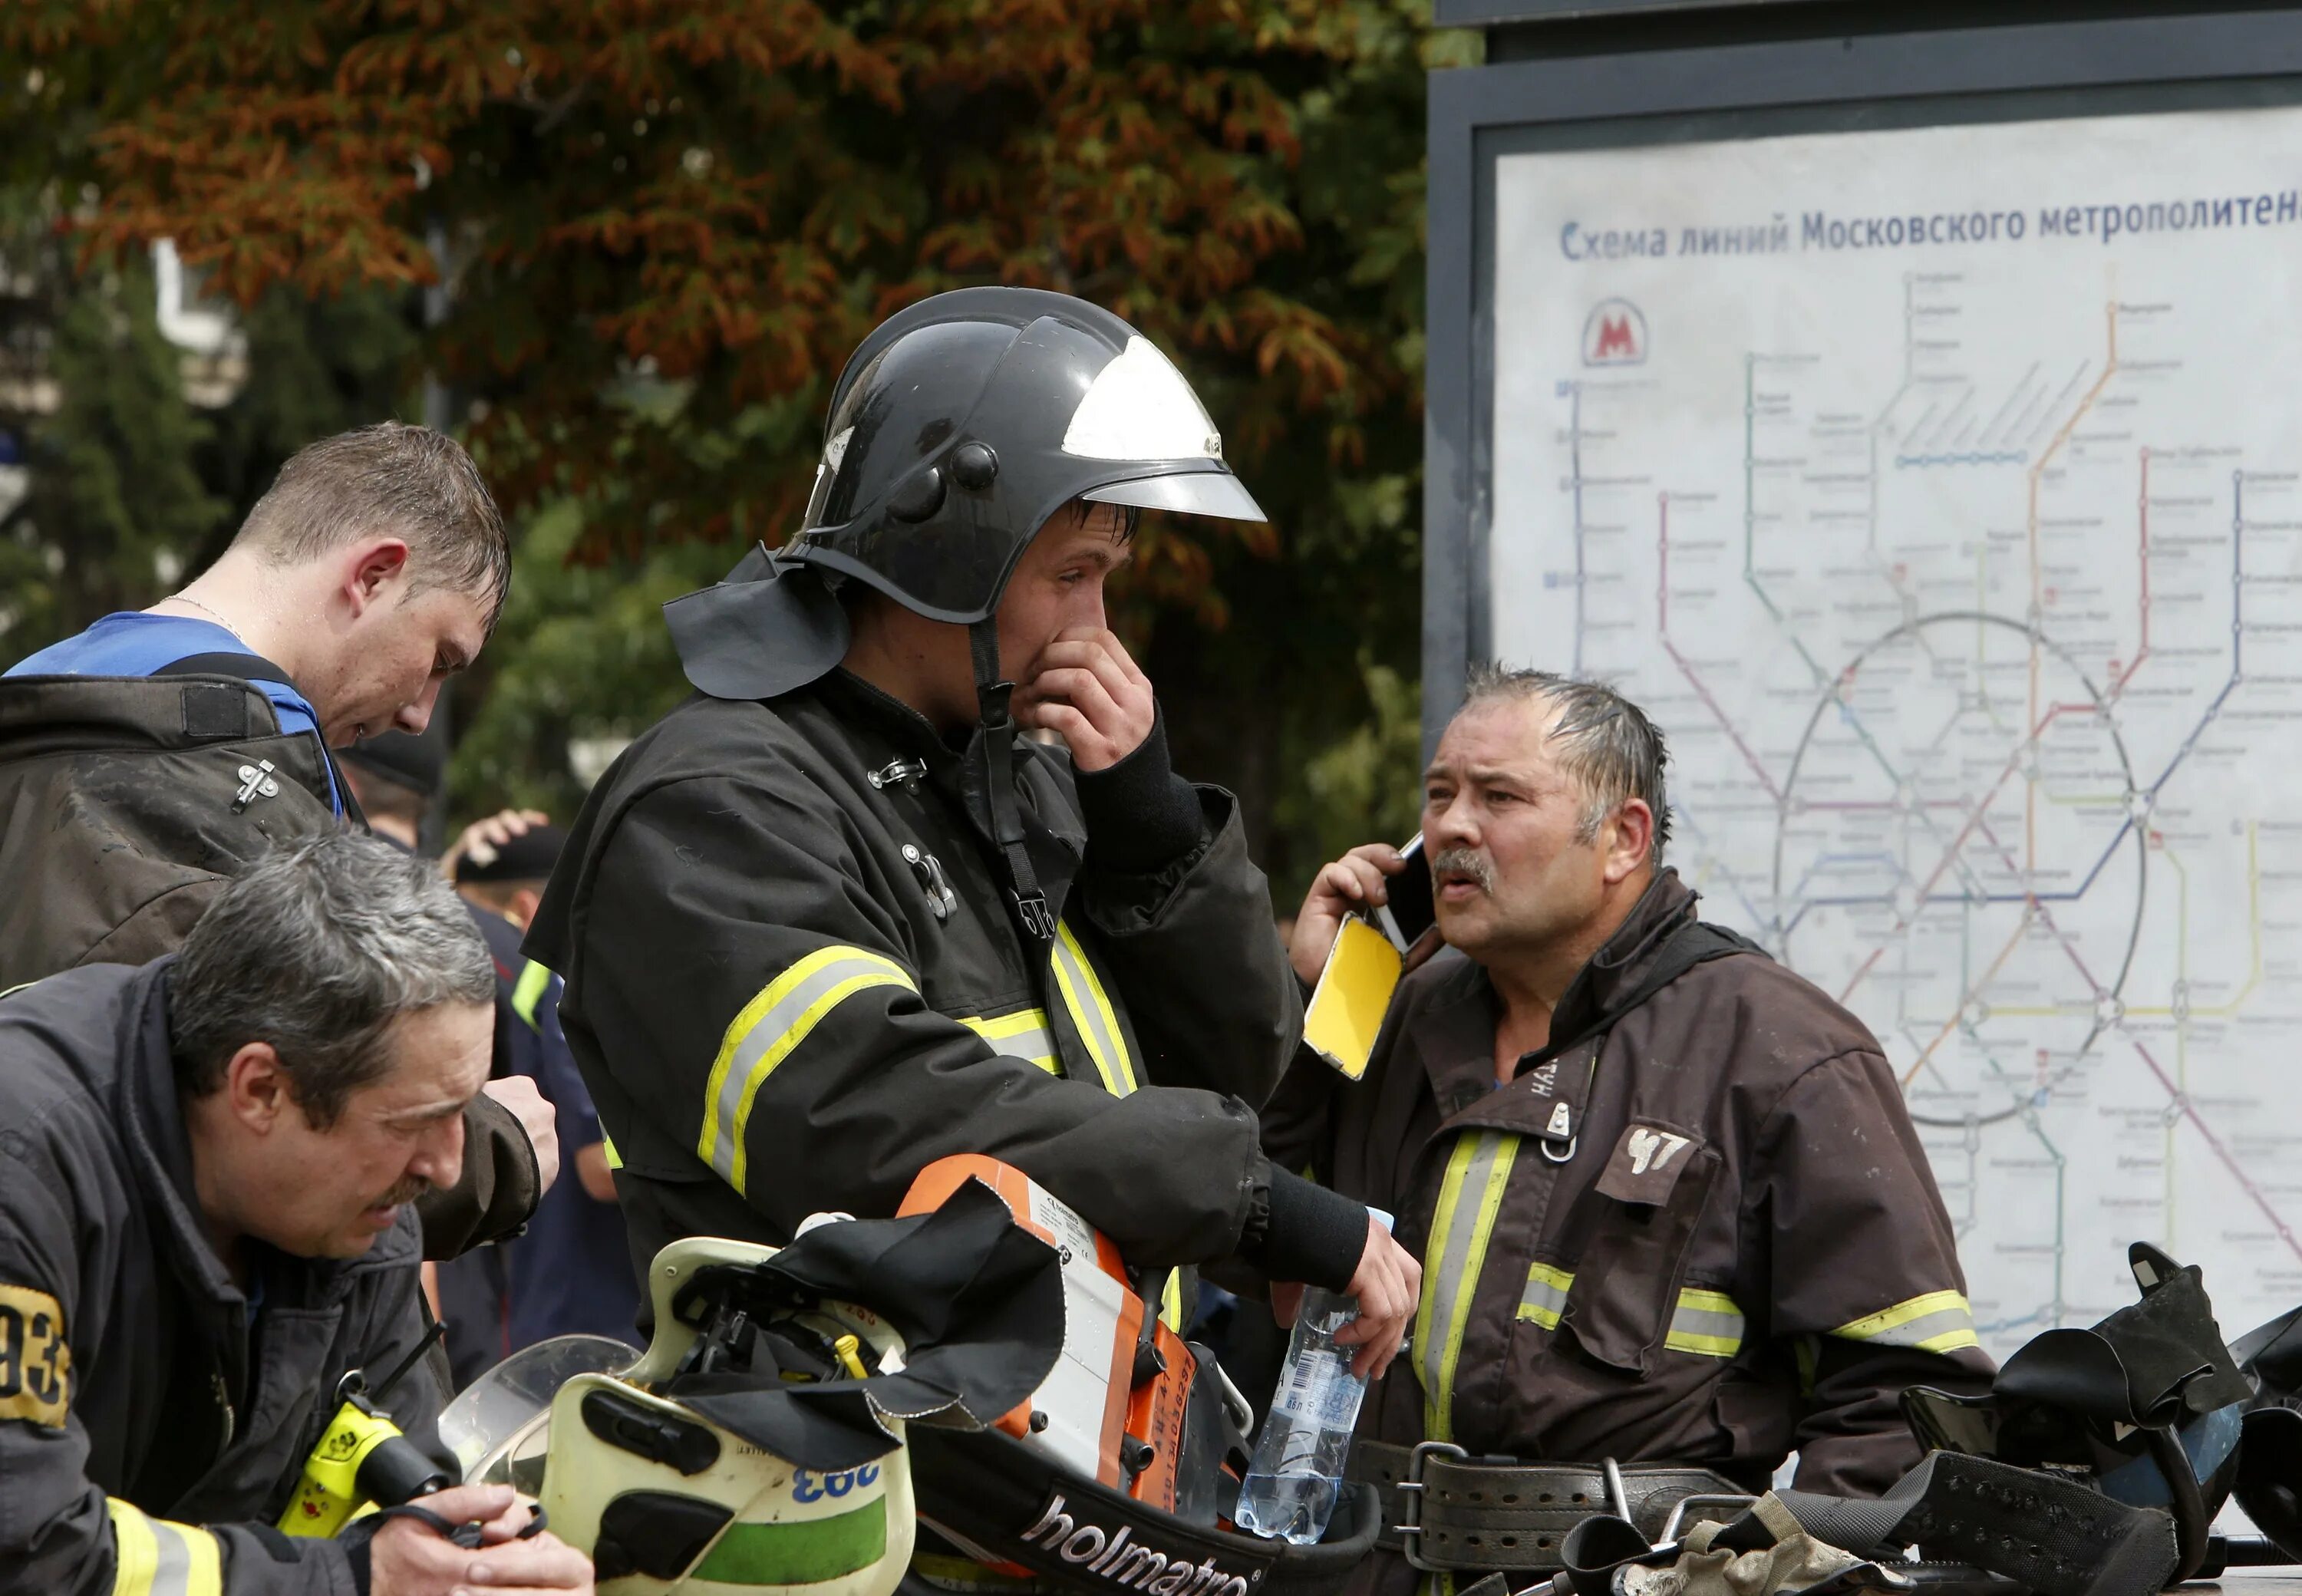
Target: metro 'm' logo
1615, 334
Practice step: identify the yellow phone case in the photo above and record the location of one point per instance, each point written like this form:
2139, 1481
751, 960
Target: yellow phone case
1353, 994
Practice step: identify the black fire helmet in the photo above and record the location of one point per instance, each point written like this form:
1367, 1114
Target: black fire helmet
956, 429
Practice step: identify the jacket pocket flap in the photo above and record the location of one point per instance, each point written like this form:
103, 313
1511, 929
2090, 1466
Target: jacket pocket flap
1648, 1163
1628, 1280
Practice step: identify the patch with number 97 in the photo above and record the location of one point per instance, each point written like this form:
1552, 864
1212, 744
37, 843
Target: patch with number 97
35, 1363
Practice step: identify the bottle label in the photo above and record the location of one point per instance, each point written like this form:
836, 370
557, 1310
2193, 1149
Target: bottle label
1319, 1389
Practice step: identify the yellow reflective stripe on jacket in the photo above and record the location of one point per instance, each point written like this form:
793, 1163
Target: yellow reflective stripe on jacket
534, 981
1091, 1011
1545, 1298
761, 1036
154, 1557
608, 1146
1023, 1035
1705, 1324
1469, 1199
1938, 1321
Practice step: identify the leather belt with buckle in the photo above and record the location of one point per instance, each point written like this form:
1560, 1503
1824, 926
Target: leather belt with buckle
1446, 1511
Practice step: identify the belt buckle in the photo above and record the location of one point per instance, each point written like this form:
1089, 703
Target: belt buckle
1681, 1510
1411, 1504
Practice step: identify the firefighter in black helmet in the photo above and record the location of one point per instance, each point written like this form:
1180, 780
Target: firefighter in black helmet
833, 919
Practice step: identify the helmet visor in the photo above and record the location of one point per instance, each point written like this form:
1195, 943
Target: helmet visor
1193, 492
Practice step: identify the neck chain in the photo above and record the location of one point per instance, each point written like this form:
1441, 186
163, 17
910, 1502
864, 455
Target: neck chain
211, 614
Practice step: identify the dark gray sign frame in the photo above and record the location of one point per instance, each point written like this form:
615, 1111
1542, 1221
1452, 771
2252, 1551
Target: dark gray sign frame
1977, 75
1471, 13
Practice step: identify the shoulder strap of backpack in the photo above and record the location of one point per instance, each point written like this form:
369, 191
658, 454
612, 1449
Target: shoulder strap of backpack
248, 665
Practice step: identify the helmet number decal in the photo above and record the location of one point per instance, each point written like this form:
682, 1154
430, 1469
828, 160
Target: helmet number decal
808, 1486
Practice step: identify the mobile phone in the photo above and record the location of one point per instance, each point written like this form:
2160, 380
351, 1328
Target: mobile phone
1409, 911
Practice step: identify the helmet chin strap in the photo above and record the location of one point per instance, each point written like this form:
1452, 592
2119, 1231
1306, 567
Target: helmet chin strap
991, 699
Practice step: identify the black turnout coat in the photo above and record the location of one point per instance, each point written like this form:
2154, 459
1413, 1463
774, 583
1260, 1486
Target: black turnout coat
794, 979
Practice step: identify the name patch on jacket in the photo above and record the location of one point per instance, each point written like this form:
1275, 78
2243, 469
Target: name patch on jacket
35, 1364
1647, 1163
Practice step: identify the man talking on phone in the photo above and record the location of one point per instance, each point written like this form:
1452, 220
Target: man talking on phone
1669, 1205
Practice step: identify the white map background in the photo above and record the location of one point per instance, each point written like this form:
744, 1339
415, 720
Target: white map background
1967, 580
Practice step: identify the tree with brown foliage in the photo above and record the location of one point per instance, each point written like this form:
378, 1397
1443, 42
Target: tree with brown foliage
661, 227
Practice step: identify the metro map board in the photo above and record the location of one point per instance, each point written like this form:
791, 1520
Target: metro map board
1940, 489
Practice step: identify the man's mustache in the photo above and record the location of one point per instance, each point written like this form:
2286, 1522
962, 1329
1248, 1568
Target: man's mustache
409, 1190
1464, 861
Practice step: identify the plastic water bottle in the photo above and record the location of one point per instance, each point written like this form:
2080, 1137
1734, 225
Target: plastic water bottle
1298, 1473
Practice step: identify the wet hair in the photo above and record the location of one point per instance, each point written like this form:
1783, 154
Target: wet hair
1606, 743
408, 482
317, 950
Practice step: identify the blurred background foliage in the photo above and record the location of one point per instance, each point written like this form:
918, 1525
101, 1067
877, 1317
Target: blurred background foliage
624, 248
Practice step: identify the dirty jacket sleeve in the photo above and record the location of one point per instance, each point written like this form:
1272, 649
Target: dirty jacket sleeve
1866, 1271
59, 1531
1196, 954
759, 1003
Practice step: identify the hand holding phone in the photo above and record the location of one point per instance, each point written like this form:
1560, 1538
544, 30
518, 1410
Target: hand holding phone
1351, 887
1363, 915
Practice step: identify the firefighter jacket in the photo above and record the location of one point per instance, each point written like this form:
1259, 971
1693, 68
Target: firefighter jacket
794, 979
128, 803
1698, 1229
152, 1427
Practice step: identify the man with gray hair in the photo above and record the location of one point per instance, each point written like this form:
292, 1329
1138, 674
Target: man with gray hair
206, 1225
146, 760
1669, 1205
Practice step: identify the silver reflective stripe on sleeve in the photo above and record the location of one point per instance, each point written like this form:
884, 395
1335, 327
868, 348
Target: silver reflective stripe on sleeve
764, 1034
1023, 1035
1707, 1323
1545, 1297
1090, 1007
1938, 1321
1704, 1323
155, 1556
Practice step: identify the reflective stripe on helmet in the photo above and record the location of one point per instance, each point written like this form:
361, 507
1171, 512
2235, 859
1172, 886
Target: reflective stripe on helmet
765, 1033
1468, 1200
1140, 407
